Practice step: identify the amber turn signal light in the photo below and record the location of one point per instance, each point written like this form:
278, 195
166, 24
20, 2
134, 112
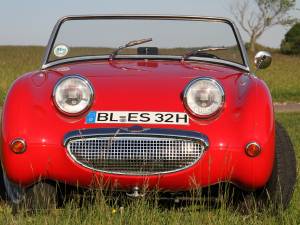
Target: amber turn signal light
18, 146
253, 149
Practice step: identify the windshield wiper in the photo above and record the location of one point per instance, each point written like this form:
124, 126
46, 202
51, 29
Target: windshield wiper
129, 44
202, 52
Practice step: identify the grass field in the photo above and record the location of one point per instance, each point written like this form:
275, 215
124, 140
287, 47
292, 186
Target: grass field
283, 77
143, 212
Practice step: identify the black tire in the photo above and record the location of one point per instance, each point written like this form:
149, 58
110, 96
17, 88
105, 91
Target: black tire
280, 187
2, 187
277, 193
37, 197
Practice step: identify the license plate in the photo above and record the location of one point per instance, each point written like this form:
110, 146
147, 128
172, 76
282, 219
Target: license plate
135, 117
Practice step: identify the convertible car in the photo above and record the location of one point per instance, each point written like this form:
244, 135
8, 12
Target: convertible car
134, 103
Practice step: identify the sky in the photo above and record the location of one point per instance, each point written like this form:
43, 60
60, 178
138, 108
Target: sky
30, 22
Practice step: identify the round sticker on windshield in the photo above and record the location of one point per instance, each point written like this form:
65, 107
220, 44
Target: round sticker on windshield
61, 51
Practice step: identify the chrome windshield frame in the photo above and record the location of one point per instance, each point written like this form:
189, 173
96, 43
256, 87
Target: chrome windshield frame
46, 64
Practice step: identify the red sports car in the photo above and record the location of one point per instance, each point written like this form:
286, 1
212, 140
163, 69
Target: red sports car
134, 101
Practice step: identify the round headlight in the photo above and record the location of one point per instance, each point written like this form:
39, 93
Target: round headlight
204, 97
73, 95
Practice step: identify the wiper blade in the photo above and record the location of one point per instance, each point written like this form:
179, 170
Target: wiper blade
195, 51
129, 44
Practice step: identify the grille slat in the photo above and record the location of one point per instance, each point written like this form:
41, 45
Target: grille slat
135, 155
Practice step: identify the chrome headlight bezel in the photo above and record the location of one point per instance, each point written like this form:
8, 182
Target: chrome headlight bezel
218, 87
85, 82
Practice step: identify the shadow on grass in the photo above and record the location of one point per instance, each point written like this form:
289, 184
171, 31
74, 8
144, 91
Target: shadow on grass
216, 197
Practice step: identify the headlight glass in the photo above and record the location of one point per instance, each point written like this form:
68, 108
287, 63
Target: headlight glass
73, 95
204, 97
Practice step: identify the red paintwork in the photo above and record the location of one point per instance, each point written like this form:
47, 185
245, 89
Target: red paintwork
140, 85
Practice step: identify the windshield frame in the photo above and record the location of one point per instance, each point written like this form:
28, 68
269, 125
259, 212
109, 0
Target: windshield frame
46, 63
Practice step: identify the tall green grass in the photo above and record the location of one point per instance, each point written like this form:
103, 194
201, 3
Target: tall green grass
150, 212
283, 77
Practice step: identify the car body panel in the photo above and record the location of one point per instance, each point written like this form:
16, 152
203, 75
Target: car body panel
140, 85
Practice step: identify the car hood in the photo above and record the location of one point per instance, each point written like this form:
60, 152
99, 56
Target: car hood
147, 84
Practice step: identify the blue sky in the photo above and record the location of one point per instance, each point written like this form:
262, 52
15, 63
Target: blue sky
30, 22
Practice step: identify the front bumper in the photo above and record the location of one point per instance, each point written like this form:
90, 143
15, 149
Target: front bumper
217, 164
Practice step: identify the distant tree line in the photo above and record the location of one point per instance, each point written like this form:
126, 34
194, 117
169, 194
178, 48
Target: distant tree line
291, 42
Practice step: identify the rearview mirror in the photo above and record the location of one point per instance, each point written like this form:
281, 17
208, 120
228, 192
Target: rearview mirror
262, 60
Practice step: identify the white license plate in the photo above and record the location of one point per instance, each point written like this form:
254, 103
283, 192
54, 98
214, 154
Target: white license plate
137, 117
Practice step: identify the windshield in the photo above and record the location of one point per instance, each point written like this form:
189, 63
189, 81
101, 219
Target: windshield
210, 38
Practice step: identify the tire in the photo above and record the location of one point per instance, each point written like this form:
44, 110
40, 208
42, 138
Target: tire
280, 187
37, 197
2, 187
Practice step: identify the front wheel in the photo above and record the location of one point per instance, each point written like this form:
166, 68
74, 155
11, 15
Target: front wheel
280, 187
39, 196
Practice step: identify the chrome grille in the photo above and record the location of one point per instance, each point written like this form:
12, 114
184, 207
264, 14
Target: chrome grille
136, 155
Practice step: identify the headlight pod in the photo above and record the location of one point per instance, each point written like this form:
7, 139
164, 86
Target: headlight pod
73, 95
204, 97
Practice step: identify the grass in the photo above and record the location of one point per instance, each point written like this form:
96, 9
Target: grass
15, 61
283, 77
144, 212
